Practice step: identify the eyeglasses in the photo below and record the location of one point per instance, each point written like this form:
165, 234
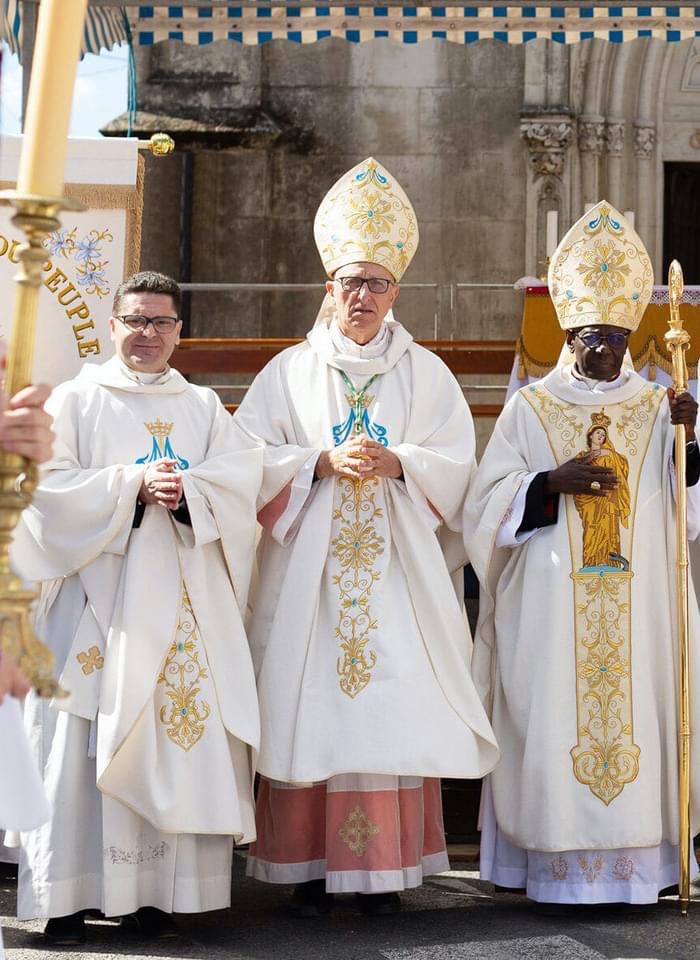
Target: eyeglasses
593, 340
138, 324
374, 284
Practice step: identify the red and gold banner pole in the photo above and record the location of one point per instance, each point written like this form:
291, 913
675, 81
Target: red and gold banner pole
38, 200
678, 341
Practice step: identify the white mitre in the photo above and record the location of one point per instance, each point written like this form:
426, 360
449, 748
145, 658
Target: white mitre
601, 272
366, 216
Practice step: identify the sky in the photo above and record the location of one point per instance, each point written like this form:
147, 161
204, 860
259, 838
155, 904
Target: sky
100, 92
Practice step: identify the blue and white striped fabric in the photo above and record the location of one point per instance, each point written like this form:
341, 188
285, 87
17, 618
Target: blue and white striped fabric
301, 22
10, 24
304, 23
104, 26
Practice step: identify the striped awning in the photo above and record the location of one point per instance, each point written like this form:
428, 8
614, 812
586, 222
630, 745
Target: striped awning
105, 25
253, 22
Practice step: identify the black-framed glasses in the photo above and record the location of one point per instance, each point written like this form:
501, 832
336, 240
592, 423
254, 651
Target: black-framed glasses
374, 284
592, 340
138, 324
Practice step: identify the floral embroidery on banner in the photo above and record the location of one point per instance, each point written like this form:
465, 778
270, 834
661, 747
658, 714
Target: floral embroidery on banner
89, 256
356, 548
184, 716
91, 660
560, 868
358, 831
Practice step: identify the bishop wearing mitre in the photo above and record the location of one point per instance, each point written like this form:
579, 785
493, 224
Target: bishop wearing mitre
570, 527
358, 632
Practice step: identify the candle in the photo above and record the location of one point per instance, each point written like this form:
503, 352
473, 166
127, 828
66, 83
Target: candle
552, 232
56, 53
629, 215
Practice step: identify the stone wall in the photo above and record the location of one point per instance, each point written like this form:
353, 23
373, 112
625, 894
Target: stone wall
443, 118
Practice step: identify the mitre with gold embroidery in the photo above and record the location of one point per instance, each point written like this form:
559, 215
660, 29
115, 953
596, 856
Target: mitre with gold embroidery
366, 216
601, 272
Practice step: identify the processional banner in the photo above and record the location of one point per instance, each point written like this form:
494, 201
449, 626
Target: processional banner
86, 258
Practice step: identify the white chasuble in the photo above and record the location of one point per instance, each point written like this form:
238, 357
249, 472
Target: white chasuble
359, 639
145, 620
575, 651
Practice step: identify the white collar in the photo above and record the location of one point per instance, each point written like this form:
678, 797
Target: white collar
376, 347
580, 382
144, 377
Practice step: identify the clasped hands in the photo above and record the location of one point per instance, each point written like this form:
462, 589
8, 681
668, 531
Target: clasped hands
162, 484
359, 459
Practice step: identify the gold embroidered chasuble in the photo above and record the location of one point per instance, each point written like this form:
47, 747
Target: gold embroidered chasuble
153, 654
575, 648
600, 530
359, 640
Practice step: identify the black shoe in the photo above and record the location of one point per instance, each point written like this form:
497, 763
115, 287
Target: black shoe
379, 904
155, 924
311, 900
66, 931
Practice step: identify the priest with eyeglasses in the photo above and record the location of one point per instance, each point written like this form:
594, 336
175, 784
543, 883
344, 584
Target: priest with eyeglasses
141, 535
358, 632
570, 527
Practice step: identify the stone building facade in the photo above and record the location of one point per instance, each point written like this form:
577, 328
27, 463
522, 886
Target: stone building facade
485, 138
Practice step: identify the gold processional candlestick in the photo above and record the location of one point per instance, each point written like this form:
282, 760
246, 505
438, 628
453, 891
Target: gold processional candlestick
678, 341
37, 217
38, 201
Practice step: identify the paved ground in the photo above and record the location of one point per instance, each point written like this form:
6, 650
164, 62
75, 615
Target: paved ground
452, 917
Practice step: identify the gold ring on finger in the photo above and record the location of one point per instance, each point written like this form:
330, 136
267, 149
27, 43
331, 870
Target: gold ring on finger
595, 485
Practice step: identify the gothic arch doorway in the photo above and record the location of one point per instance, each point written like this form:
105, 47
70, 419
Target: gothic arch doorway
681, 234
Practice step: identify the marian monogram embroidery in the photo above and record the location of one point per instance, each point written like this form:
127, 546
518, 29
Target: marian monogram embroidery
185, 715
590, 868
605, 758
356, 548
160, 444
359, 420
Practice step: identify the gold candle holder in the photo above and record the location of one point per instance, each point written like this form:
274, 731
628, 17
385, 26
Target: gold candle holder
37, 217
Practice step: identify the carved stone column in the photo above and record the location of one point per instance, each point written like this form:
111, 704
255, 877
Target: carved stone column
644, 139
591, 145
548, 137
615, 146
